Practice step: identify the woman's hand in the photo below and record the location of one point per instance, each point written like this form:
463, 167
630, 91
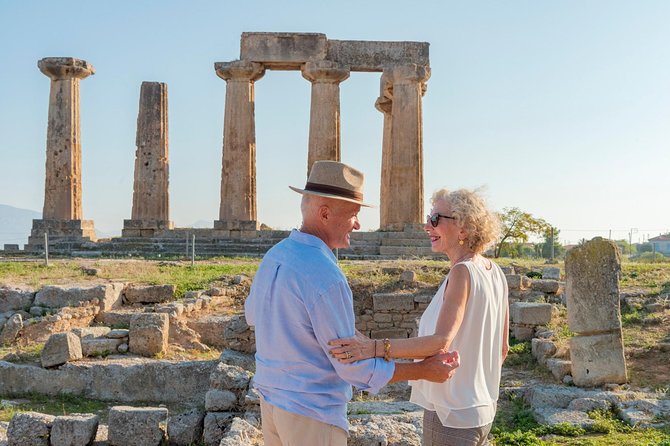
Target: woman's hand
348, 350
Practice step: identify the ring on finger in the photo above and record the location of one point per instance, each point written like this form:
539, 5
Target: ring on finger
348, 355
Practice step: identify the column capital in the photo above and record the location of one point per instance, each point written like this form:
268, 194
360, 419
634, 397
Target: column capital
384, 104
410, 73
57, 68
239, 70
325, 71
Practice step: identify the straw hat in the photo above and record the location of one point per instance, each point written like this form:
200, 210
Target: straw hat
333, 179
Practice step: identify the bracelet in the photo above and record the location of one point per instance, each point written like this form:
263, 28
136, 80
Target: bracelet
387, 349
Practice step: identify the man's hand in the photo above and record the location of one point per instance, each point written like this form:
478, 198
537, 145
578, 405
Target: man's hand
440, 367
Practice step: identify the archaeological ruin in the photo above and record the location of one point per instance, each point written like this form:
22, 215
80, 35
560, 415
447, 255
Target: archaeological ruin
325, 63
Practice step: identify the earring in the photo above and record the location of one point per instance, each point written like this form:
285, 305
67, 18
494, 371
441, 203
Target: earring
461, 242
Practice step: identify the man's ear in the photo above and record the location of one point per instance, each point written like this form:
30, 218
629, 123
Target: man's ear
324, 213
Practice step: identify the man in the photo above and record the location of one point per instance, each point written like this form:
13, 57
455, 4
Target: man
300, 300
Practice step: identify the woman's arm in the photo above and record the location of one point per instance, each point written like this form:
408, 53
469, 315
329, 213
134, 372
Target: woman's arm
449, 321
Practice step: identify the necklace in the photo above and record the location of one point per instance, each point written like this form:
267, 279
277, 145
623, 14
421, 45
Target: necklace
465, 257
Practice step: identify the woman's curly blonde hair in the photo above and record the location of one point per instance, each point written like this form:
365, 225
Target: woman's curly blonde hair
469, 208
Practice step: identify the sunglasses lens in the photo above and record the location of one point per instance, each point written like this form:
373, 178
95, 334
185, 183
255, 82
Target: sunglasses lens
433, 219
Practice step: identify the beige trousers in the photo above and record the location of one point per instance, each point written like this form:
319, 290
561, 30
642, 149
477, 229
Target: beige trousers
282, 428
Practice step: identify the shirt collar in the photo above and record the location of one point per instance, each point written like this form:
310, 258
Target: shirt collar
313, 241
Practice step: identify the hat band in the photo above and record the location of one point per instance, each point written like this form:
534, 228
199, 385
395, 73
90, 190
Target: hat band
333, 190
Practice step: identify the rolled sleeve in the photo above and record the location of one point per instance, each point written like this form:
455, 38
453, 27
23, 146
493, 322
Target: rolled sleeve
332, 317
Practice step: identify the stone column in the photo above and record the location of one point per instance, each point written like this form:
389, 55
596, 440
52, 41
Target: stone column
62, 212
592, 288
151, 200
384, 104
324, 123
238, 174
404, 196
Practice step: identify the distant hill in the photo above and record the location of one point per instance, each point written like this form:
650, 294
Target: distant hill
15, 224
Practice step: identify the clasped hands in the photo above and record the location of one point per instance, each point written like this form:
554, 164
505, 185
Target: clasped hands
439, 367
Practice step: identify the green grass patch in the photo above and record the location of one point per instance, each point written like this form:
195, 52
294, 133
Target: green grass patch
62, 404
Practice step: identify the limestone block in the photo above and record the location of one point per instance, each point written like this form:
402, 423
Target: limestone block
545, 286
148, 294
408, 276
389, 333
185, 429
376, 55
283, 50
521, 333
551, 273
542, 349
215, 426
115, 317
507, 270
239, 335
592, 287
12, 299
29, 429
530, 313
149, 333
61, 348
597, 359
74, 430
589, 404
217, 400
241, 433
366, 430
514, 282
118, 333
137, 426
108, 295
229, 377
211, 329
100, 346
393, 302
559, 367
233, 357
551, 417
91, 332
11, 329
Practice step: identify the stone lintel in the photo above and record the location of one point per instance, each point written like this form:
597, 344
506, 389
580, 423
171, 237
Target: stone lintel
375, 56
283, 51
236, 225
148, 224
65, 68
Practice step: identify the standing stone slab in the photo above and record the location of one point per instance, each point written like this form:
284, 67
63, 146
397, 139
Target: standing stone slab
592, 287
215, 426
137, 426
149, 333
61, 348
29, 429
74, 430
597, 359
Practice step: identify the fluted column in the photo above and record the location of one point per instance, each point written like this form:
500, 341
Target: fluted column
405, 185
62, 192
151, 200
238, 173
384, 104
62, 211
324, 123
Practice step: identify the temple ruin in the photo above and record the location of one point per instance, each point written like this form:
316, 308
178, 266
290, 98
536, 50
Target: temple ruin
325, 63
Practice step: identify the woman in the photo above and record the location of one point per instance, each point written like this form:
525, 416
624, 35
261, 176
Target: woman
469, 314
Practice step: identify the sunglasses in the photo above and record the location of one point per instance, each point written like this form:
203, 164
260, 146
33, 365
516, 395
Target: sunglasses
435, 219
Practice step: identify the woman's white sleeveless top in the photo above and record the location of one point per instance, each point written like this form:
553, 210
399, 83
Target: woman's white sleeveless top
468, 399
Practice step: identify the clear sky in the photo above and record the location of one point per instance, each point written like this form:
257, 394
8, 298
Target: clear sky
560, 108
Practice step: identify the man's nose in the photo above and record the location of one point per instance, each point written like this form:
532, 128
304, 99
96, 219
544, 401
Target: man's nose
357, 224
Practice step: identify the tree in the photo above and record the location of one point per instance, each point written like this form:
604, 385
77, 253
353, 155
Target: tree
546, 245
517, 226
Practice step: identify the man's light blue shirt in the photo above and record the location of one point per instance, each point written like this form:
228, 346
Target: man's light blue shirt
300, 300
